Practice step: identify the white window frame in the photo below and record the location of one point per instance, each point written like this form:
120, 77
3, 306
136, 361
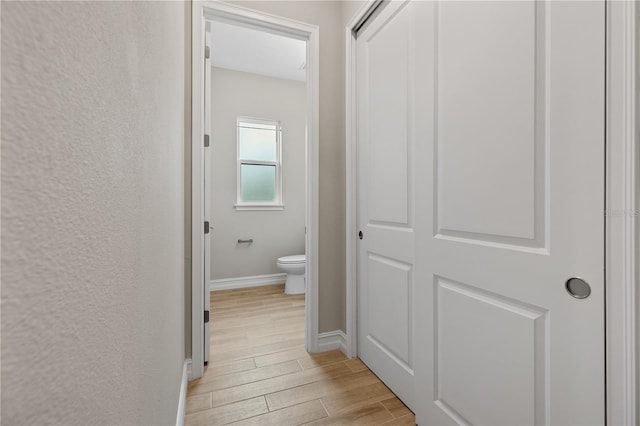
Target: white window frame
277, 204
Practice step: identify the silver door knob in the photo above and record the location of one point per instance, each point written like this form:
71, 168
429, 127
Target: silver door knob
578, 288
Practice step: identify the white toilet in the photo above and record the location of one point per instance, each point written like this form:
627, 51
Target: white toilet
295, 267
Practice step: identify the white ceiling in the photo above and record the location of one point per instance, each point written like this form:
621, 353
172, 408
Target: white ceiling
249, 50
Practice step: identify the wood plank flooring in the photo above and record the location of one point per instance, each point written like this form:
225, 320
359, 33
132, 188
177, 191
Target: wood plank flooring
260, 373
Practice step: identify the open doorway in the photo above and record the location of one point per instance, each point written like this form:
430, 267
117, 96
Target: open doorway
254, 178
257, 189
258, 163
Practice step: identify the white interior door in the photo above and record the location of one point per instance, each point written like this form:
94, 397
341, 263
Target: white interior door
207, 191
513, 137
386, 176
481, 192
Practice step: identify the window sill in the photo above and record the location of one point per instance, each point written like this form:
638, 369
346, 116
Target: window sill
269, 207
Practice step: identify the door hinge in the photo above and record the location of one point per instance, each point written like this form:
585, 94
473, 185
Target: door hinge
206, 317
207, 52
206, 141
206, 227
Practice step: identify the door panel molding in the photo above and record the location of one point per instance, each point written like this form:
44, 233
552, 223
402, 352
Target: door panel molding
387, 92
388, 308
516, 213
514, 321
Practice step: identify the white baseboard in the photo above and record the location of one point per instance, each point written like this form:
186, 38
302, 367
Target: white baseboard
244, 282
182, 401
332, 340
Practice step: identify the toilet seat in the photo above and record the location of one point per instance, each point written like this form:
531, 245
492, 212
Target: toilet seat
288, 260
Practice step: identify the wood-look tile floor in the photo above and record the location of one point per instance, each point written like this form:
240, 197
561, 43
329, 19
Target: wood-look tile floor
260, 374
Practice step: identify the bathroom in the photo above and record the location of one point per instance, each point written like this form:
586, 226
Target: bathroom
258, 164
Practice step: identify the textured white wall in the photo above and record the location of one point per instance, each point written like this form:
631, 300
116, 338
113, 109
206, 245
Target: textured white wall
275, 233
93, 105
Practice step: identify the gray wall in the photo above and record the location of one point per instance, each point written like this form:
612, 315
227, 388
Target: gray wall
187, 180
350, 8
275, 233
93, 115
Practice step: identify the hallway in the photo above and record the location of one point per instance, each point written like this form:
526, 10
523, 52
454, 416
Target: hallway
260, 374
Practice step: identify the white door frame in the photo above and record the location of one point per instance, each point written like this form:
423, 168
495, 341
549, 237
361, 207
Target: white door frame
622, 205
214, 10
623, 198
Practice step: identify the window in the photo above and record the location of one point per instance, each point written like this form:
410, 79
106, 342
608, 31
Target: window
259, 168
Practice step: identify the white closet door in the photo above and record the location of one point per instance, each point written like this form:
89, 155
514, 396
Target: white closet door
386, 217
480, 193
514, 142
